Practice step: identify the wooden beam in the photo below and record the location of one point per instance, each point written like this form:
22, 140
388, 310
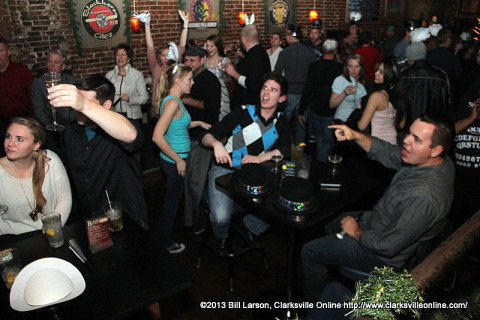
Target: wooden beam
448, 254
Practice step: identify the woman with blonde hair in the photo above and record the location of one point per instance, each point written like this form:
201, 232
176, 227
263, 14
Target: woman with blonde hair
171, 136
34, 182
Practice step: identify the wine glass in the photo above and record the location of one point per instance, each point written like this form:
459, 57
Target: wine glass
278, 157
335, 159
52, 79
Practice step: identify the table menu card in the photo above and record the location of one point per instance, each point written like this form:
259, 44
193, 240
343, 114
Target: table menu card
98, 233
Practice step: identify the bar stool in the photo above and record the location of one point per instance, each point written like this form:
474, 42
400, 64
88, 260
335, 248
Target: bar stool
208, 241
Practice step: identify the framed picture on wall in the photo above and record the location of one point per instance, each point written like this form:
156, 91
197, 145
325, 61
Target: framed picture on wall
204, 17
469, 6
279, 14
393, 8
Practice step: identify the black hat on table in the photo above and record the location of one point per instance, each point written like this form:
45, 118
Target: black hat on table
296, 197
252, 181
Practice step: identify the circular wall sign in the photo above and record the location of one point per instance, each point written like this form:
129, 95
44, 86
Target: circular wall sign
101, 19
279, 13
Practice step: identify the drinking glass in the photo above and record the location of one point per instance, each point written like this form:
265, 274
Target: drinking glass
278, 159
52, 227
9, 265
113, 211
3, 208
52, 79
335, 159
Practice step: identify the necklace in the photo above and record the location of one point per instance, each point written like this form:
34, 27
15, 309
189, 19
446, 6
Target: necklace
34, 213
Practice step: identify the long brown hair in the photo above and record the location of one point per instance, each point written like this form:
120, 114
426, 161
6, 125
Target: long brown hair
39, 135
167, 80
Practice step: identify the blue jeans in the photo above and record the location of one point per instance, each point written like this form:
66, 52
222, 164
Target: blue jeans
291, 110
223, 207
336, 293
319, 254
174, 186
325, 140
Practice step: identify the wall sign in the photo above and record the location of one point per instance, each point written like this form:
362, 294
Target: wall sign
204, 17
279, 13
101, 19
100, 23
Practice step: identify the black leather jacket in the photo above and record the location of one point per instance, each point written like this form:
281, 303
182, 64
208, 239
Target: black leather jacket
427, 90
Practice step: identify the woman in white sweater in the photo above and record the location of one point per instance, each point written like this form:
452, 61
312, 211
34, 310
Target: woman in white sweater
33, 181
130, 86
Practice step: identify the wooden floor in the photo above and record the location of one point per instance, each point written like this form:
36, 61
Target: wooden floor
253, 282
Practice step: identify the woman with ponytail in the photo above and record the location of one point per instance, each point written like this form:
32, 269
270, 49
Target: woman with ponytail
33, 181
171, 136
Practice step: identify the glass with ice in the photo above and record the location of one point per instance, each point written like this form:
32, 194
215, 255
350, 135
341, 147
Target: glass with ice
52, 227
113, 211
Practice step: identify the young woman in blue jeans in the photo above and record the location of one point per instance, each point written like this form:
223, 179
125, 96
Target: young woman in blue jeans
171, 136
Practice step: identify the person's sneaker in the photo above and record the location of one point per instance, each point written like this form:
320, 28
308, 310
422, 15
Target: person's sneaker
252, 239
176, 248
221, 247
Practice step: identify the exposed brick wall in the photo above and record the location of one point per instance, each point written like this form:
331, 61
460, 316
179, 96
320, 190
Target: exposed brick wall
37, 26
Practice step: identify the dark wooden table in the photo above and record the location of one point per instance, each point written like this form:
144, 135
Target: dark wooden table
355, 186
135, 272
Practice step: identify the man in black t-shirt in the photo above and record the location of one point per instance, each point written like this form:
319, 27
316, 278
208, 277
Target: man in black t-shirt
203, 102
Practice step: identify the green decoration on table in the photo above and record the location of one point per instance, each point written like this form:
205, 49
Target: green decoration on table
388, 288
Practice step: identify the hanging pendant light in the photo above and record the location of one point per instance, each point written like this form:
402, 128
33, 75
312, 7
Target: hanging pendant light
241, 16
134, 22
313, 13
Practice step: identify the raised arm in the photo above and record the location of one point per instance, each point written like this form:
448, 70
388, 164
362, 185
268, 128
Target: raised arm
148, 36
116, 125
184, 34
